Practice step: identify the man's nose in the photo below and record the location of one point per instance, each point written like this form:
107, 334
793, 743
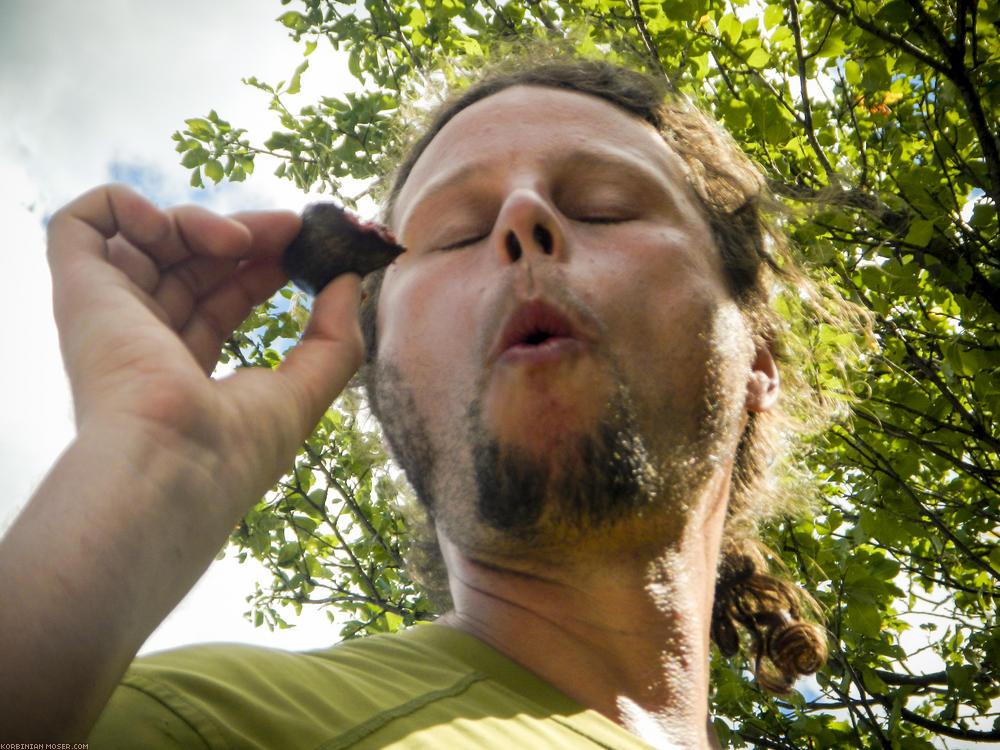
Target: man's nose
526, 226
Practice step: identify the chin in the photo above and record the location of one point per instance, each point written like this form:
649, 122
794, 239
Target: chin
583, 465
545, 415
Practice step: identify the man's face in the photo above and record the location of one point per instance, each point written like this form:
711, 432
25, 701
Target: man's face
558, 345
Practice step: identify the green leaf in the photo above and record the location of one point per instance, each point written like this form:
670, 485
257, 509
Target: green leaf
354, 62
773, 15
864, 618
852, 72
417, 18
198, 126
213, 170
759, 58
294, 85
294, 21
920, 233
730, 28
281, 142
194, 157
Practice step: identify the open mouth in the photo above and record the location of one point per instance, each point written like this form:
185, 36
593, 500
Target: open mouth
536, 338
535, 326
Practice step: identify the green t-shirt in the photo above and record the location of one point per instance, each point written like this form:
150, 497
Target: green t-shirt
429, 687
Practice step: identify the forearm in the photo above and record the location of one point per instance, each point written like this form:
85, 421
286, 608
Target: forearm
97, 559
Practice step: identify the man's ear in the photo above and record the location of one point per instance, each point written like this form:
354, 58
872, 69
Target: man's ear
764, 384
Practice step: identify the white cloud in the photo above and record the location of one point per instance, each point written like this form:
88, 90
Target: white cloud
109, 81
92, 91
36, 420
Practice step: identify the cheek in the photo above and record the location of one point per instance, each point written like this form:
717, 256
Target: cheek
669, 332
654, 284
424, 324
669, 319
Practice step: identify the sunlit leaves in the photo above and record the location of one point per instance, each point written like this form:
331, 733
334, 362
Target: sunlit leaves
213, 148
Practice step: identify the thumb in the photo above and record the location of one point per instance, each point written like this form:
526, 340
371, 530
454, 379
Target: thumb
318, 367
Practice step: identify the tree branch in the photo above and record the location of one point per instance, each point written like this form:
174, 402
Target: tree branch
955, 71
647, 40
539, 10
807, 120
887, 36
862, 149
927, 24
887, 469
401, 37
498, 12
930, 446
937, 727
920, 680
759, 741
988, 139
353, 505
796, 115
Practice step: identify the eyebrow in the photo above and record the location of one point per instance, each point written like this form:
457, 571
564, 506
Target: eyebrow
575, 159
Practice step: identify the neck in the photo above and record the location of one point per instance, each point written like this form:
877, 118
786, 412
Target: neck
624, 633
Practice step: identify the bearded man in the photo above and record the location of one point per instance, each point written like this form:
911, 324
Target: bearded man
574, 362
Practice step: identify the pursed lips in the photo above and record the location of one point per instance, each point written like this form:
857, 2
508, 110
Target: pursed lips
535, 332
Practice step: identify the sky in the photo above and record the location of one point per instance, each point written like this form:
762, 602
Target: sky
92, 92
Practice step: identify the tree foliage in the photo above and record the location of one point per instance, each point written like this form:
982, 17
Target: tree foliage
879, 120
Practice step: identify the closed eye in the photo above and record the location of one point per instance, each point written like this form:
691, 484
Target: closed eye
599, 219
465, 242
602, 219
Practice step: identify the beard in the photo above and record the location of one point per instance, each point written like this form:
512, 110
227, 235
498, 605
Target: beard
592, 481
584, 485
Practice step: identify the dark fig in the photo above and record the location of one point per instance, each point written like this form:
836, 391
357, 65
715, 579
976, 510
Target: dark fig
333, 242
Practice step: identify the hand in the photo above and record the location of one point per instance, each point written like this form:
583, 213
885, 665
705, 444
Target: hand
166, 459
144, 300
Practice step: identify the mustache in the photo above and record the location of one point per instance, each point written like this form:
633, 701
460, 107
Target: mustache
519, 286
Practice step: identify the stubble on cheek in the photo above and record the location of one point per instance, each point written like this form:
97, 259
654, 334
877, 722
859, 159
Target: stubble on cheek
405, 429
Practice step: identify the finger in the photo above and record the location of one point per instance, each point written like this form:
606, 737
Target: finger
330, 352
100, 214
223, 308
181, 288
135, 264
231, 300
197, 231
79, 231
82, 278
97, 222
271, 231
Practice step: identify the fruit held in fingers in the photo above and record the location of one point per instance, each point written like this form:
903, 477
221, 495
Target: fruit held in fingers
333, 242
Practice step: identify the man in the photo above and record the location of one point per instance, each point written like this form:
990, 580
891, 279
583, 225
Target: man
570, 361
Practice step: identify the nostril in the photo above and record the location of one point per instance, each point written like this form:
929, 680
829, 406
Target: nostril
543, 237
513, 246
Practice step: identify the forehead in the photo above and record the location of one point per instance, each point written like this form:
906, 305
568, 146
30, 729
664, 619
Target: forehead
534, 125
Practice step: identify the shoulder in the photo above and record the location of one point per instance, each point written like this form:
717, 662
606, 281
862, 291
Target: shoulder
428, 687
218, 695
